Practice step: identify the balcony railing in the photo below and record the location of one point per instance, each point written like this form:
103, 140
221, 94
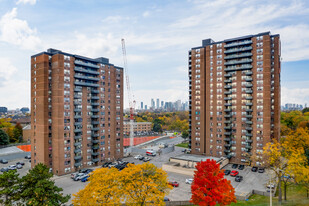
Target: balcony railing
240, 49
238, 43
89, 71
86, 64
236, 56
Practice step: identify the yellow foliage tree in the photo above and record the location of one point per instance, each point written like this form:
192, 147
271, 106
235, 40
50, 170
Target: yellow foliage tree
103, 189
142, 184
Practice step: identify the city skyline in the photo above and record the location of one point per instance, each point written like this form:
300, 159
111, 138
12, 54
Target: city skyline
97, 33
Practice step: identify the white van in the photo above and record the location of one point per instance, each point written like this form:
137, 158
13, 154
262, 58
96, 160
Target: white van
151, 153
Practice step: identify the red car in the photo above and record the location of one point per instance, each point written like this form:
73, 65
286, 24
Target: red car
234, 173
174, 184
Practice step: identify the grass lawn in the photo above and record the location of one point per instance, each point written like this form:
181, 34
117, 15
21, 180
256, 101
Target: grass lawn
184, 145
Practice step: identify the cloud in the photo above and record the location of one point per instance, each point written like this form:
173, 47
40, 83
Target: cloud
32, 2
16, 31
296, 95
6, 69
146, 14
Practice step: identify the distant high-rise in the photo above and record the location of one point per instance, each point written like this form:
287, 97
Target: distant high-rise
158, 103
162, 104
234, 92
76, 111
142, 105
153, 104
3, 109
145, 107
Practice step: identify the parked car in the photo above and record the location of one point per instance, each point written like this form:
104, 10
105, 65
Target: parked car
79, 176
137, 157
151, 153
75, 175
162, 145
20, 163
166, 199
241, 167
106, 164
141, 158
28, 157
189, 181
254, 169
113, 164
146, 159
234, 166
227, 172
19, 166
85, 179
12, 167
238, 178
234, 173
88, 171
4, 169
261, 170
174, 183
3, 161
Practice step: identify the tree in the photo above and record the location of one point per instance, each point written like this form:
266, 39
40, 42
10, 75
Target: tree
4, 138
9, 187
37, 188
137, 185
209, 186
305, 110
103, 188
17, 132
185, 134
157, 127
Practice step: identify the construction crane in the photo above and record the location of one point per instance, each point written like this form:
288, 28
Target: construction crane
129, 94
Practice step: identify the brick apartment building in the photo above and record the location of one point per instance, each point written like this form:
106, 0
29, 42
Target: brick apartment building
137, 127
234, 96
76, 111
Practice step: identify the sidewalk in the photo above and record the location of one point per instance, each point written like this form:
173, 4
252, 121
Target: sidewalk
10, 150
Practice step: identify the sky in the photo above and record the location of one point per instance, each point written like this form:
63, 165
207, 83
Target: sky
158, 35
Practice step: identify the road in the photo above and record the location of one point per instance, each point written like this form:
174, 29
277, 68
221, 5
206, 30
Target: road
15, 156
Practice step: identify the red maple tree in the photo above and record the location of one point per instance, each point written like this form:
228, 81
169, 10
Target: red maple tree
209, 186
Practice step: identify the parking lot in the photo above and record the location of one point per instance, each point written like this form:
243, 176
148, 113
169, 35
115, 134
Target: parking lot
21, 172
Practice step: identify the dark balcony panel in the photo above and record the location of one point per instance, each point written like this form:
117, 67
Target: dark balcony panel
78, 157
77, 144
95, 147
77, 130
249, 104
78, 137
249, 122
227, 139
95, 153
248, 147
249, 98
227, 133
86, 64
77, 150
249, 135
95, 160
95, 141
227, 145
77, 164
227, 98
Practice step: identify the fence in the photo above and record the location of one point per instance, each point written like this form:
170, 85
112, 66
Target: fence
14, 144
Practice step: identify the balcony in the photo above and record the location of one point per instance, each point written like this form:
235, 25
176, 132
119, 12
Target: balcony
228, 92
78, 157
94, 135
95, 160
77, 89
95, 110
249, 110
236, 62
228, 87
249, 104
227, 110
248, 115
227, 98
227, 116
240, 49
227, 133
78, 137
95, 116
228, 81
249, 85
227, 151
236, 56
95, 153
77, 110
248, 147
95, 129
77, 164
227, 139
86, 84
249, 122
78, 123
249, 128
227, 145
76, 144
95, 103
77, 96
227, 104
77, 150
77, 116
248, 79
227, 122
228, 75
228, 128
86, 64
248, 73
95, 141
238, 43
248, 91
95, 122
249, 135
77, 130
95, 97
89, 71
95, 147
235, 68
249, 97
77, 76
249, 140
94, 91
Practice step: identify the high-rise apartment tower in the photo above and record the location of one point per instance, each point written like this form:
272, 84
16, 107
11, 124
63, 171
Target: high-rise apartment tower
234, 93
76, 111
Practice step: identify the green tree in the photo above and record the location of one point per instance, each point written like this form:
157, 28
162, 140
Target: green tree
9, 185
4, 138
17, 132
157, 127
305, 110
185, 134
38, 189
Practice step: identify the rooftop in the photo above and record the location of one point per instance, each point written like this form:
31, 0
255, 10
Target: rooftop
195, 158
